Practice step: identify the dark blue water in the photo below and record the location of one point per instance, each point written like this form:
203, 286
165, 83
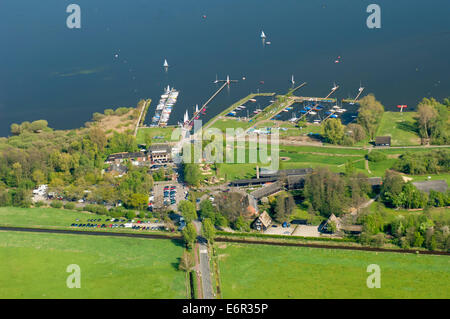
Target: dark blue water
51, 72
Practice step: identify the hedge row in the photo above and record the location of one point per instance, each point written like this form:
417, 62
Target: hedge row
222, 233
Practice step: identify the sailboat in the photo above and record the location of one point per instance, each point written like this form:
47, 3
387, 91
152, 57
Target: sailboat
263, 35
292, 80
196, 108
166, 65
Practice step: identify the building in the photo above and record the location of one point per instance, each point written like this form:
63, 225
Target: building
262, 222
375, 183
160, 153
383, 141
285, 172
340, 226
426, 186
136, 158
267, 190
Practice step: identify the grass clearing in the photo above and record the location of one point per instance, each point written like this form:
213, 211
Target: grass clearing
34, 266
145, 133
401, 127
260, 271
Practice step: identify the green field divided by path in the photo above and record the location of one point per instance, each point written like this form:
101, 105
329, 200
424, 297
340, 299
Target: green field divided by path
259, 271
33, 265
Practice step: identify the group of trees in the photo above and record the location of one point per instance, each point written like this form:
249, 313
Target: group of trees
395, 192
369, 117
433, 162
432, 120
420, 230
330, 193
71, 163
191, 173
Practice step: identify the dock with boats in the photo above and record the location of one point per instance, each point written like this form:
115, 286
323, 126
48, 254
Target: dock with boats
164, 107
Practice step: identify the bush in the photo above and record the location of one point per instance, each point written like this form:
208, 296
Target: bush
56, 204
39, 204
130, 214
69, 205
142, 215
376, 156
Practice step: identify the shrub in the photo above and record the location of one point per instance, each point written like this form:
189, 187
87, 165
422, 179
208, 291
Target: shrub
69, 205
39, 204
56, 204
376, 156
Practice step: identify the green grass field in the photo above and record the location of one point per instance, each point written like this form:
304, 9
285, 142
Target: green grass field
223, 124
34, 266
145, 133
401, 127
42, 217
259, 271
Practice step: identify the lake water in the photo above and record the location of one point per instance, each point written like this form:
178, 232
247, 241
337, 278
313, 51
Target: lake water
48, 71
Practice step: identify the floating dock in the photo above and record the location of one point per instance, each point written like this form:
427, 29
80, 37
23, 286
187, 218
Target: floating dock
164, 107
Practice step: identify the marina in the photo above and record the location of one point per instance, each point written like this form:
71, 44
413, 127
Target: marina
165, 107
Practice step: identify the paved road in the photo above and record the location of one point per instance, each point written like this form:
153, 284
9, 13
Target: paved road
205, 270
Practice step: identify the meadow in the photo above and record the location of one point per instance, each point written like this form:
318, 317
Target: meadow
34, 266
274, 272
42, 217
401, 127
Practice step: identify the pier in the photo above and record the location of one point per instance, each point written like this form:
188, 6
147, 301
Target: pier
227, 82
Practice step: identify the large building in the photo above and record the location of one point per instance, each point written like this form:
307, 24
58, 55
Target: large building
160, 153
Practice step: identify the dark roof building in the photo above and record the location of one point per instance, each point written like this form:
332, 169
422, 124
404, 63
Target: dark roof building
267, 190
253, 181
438, 186
262, 222
120, 157
296, 181
285, 172
383, 141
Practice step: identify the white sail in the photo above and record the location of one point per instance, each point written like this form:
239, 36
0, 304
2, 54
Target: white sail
165, 63
292, 80
196, 108
263, 35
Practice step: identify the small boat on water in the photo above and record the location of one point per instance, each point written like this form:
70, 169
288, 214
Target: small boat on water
252, 100
166, 65
263, 35
333, 116
312, 113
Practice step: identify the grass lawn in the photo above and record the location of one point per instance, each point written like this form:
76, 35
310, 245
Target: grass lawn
150, 132
42, 217
223, 124
259, 271
401, 127
34, 266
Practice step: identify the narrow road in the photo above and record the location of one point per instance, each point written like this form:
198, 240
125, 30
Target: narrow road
205, 270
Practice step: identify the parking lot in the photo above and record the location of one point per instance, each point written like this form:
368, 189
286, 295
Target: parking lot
167, 195
120, 223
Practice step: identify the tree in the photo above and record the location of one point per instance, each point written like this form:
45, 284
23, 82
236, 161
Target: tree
98, 137
208, 230
38, 125
369, 114
192, 174
15, 129
356, 132
284, 207
426, 114
186, 262
189, 235
138, 201
187, 210
333, 130
326, 191
392, 188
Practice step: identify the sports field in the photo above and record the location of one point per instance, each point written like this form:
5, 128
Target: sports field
34, 266
260, 271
